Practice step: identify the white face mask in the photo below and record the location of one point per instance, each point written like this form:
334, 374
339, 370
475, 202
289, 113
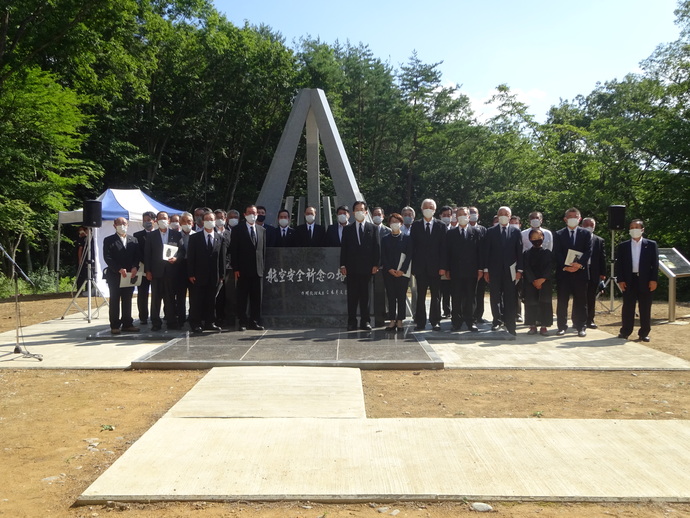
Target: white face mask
589, 229
428, 213
251, 218
121, 229
474, 218
446, 220
163, 224
208, 225
515, 225
377, 220
359, 215
535, 223
572, 222
636, 233
453, 219
220, 223
342, 218
175, 225
310, 218
233, 222
463, 220
395, 226
186, 228
503, 220
283, 222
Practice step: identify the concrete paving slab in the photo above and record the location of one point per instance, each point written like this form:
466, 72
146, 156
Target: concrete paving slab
402, 459
63, 345
331, 347
274, 392
597, 351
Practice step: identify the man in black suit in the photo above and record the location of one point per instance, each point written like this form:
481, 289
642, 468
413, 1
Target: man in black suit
205, 268
270, 229
571, 277
183, 284
143, 289
226, 295
159, 265
334, 232
248, 254
360, 256
310, 233
121, 255
502, 260
462, 263
427, 236
481, 284
596, 270
637, 274
284, 234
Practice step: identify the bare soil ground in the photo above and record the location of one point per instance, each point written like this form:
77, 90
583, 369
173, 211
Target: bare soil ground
55, 425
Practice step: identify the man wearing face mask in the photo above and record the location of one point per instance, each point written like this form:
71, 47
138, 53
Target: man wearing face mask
261, 221
183, 285
220, 215
175, 222
572, 248
379, 289
310, 233
637, 274
233, 218
284, 234
596, 270
199, 218
481, 284
121, 255
428, 236
205, 268
143, 289
462, 262
408, 215
360, 256
161, 273
535, 221
334, 232
446, 215
502, 259
247, 253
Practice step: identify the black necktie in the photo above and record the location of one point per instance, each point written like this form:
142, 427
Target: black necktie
428, 228
253, 235
503, 233
209, 243
361, 233
284, 231
462, 233
572, 237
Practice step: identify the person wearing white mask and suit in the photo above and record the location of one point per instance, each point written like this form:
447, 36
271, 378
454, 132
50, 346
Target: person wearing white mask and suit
334, 232
572, 278
310, 233
637, 274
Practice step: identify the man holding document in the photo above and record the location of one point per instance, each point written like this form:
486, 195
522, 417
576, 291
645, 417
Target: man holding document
121, 255
572, 247
502, 262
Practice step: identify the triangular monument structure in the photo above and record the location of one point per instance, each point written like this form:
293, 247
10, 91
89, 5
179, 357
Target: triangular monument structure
311, 109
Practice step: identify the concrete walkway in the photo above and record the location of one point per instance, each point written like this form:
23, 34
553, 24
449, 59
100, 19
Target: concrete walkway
295, 451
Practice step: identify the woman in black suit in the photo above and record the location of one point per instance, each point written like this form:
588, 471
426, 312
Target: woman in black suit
396, 270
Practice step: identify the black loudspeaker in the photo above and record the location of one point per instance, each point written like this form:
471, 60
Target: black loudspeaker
92, 216
616, 217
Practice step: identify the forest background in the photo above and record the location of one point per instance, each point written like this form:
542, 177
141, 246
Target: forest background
172, 98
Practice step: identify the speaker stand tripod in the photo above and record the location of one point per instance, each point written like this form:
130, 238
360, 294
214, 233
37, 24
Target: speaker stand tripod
89, 285
611, 282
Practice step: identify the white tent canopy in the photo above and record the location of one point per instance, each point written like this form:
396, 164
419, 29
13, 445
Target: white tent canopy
115, 203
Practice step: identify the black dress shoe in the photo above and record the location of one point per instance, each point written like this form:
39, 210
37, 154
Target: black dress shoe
560, 332
455, 328
496, 327
645, 339
156, 327
241, 328
197, 330
352, 327
211, 327
419, 328
255, 327
474, 328
622, 336
592, 326
437, 327
581, 333
365, 327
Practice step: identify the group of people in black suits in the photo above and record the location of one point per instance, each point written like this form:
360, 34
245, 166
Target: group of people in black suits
215, 255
